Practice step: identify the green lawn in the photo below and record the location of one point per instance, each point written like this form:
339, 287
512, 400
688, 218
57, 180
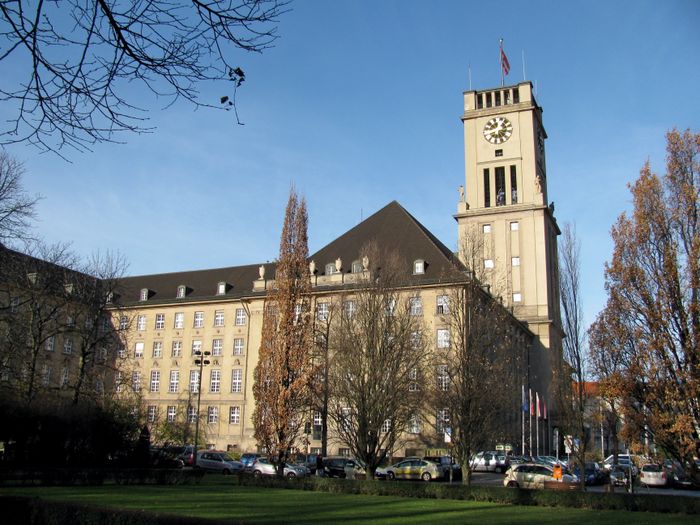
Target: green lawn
257, 505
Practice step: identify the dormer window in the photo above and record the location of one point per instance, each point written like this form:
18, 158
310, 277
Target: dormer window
357, 267
144, 294
181, 291
330, 268
68, 287
221, 288
110, 297
418, 267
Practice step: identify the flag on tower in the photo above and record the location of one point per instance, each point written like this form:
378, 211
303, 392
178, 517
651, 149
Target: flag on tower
505, 65
537, 398
524, 401
532, 405
544, 409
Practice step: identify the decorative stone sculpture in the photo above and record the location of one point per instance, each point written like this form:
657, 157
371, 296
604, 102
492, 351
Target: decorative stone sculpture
365, 263
338, 264
312, 267
261, 271
461, 193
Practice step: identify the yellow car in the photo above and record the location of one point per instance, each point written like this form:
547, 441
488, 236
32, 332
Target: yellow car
414, 469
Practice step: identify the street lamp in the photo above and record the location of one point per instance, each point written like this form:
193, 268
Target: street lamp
200, 360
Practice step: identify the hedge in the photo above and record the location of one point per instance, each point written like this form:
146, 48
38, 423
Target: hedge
513, 496
68, 477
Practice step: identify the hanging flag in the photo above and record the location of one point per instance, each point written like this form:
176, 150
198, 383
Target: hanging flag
505, 65
524, 401
544, 408
532, 405
537, 398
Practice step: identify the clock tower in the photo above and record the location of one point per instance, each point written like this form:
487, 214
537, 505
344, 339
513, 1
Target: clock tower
506, 226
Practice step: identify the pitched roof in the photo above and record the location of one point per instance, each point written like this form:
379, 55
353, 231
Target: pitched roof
392, 228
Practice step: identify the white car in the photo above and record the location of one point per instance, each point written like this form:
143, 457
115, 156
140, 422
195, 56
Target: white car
532, 476
624, 460
218, 462
653, 475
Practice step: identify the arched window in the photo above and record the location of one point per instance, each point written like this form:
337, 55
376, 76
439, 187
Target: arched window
181, 291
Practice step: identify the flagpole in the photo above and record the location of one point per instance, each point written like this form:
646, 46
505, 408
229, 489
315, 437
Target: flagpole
530, 424
537, 421
470, 76
522, 420
500, 60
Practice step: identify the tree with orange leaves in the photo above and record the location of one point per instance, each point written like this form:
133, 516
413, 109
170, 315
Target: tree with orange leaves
284, 372
653, 309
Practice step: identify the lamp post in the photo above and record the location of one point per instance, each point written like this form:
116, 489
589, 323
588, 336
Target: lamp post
200, 360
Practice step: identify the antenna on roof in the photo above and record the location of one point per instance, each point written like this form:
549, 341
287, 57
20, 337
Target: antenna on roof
469, 67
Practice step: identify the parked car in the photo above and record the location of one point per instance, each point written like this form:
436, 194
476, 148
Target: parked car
414, 468
308, 460
264, 467
247, 459
654, 475
218, 461
183, 452
532, 476
593, 473
448, 465
490, 461
624, 460
162, 458
343, 467
680, 477
619, 475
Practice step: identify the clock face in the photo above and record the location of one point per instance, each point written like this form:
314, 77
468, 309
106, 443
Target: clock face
498, 130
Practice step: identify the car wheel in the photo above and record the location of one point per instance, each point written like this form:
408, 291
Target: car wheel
226, 472
291, 475
390, 475
257, 473
426, 476
513, 484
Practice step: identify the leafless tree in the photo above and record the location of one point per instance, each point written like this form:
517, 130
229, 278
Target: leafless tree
17, 208
77, 62
379, 352
574, 408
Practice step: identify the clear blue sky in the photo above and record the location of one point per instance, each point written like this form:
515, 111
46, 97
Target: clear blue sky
359, 104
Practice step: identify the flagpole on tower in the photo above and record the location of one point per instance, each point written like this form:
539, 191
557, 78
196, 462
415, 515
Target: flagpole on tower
500, 56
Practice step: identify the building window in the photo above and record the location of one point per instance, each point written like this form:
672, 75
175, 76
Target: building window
179, 320
157, 349
160, 321
68, 346
322, 311
386, 426
238, 346
155, 380
517, 297
121, 351
487, 188
357, 267
194, 381
442, 420
221, 288
136, 381
217, 346
152, 413
413, 383
144, 294
486, 228
138, 349
191, 414
99, 386
118, 382
513, 186
213, 414
196, 346
515, 261
390, 306
298, 309
499, 153
514, 226
488, 264
181, 291
443, 338
419, 267
330, 269
50, 343
416, 305
176, 349
174, 385
414, 424
350, 308
500, 186
237, 380
141, 323
443, 378
443, 304
123, 322
240, 316
199, 319
215, 382
46, 374
219, 318
234, 415
172, 413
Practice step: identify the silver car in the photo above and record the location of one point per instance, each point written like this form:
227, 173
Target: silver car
218, 462
264, 467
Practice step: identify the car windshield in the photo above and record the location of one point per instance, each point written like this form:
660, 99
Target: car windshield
651, 468
226, 457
